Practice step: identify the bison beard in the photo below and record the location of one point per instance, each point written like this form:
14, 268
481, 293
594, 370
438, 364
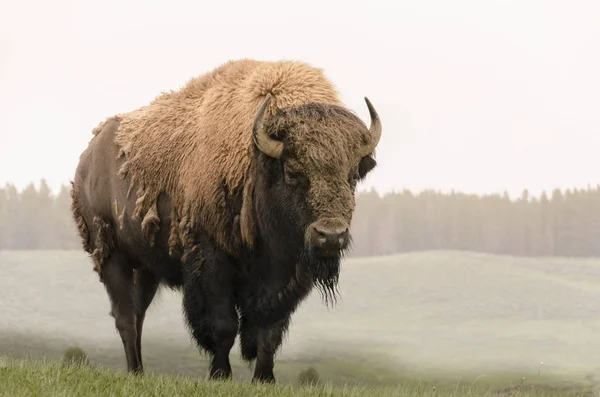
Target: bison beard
325, 272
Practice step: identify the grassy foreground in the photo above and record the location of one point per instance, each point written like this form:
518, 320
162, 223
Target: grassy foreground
43, 378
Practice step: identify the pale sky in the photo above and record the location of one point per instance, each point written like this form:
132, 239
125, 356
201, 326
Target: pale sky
477, 96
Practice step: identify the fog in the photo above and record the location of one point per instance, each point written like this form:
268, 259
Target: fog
475, 96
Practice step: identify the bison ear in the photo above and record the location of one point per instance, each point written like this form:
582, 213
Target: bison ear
365, 166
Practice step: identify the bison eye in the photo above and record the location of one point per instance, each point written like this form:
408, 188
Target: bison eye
294, 177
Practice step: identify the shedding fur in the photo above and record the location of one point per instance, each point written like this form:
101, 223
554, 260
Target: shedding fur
122, 219
96, 130
123, 170
186, 239
82, 227
186, 142
104, 243
151, 223
174, 237
132, 184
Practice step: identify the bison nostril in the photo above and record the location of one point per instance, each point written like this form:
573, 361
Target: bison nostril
330, 239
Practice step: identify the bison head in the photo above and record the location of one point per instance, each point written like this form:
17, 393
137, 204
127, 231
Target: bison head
311, 157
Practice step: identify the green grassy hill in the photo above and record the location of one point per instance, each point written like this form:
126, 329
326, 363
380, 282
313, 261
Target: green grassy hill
441, 317
35, 378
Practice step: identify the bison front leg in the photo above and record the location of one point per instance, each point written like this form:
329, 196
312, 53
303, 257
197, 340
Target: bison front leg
262, 343
269, 341
210, 312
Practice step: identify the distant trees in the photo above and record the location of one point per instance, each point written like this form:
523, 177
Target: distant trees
560, 223
36, 219
564, 224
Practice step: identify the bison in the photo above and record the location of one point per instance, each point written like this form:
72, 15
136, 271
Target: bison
238, 190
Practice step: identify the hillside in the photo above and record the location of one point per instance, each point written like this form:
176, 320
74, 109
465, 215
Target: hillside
433, 315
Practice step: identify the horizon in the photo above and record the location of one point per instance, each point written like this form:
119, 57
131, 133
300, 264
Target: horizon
55, 190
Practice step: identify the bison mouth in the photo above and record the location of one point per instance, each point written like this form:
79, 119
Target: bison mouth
325, 242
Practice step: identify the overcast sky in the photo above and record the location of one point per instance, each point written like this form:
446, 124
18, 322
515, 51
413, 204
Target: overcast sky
477, 96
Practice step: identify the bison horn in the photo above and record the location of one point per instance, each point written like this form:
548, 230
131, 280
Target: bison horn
269, 146
374, 130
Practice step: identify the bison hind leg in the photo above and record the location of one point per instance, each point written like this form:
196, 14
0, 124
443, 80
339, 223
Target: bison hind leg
145, 287
117, 276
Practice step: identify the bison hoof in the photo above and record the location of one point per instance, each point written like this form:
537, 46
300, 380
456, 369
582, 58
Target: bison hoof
266, 379
138, 371
220, 375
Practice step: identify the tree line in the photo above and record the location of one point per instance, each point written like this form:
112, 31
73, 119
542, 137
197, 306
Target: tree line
563, 223
34, 218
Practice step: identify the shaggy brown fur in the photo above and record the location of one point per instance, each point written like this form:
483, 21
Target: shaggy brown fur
104, 241
192, 142
237, 189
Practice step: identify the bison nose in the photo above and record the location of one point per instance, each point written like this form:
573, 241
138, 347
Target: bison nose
330, 238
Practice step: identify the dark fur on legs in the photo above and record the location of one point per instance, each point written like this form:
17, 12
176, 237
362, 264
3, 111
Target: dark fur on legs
262, 343
209, 308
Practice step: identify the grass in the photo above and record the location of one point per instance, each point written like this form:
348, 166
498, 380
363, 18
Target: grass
443, 319
34, 378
